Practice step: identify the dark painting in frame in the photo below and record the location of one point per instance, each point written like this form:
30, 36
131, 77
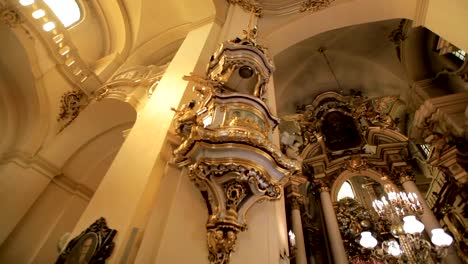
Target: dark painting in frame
93, 246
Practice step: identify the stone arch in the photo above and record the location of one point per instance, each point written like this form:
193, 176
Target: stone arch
94, 120
347, 174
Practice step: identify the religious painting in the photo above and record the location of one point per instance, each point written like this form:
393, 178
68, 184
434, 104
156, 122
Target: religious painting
94, 245
340, 131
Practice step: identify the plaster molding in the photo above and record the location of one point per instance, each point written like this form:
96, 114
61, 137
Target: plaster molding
46, 169
27, 161
73, 187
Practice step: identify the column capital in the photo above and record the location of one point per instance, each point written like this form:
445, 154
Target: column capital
322, 185
402, 174
296, 201
406, 178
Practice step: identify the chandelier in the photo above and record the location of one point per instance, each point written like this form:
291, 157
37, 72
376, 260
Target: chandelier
401, 211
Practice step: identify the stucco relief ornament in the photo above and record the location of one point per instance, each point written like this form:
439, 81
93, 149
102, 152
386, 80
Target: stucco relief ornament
71, 104
10, 17
314, 5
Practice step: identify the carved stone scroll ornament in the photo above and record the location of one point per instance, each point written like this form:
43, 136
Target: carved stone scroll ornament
314, 5
71, 104
94, 245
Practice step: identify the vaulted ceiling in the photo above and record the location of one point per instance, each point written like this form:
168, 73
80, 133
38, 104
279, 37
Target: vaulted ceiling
360, 58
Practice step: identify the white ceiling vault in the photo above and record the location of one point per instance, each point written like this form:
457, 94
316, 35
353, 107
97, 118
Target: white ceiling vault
361, 57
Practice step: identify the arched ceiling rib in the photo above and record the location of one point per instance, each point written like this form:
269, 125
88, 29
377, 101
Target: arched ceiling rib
20, 97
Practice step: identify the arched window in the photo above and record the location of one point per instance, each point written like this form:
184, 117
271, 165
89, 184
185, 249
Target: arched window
346, 191
460, 54
67, 11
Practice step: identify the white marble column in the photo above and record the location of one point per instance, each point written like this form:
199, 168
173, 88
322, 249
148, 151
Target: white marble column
301, 257
428, 218
333, 229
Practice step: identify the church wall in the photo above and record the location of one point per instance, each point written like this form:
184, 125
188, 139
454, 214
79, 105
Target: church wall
183, 238
265, 237
38, 232
27, 184
448, 23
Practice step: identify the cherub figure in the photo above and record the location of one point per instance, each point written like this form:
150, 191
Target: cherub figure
185, 118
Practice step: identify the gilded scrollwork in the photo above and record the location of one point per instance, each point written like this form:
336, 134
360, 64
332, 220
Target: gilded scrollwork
221, 243
248, 122
244, 174
250, 137
239, 186
353, 218
242, 58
